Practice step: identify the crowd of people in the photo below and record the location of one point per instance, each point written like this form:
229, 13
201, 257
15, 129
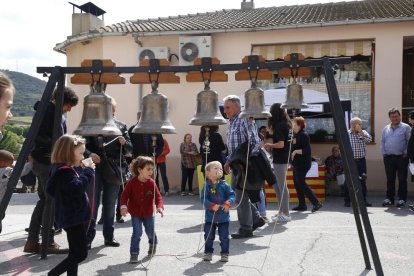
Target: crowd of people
75, 174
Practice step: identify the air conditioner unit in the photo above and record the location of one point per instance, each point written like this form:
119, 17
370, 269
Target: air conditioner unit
152, 52
192, 47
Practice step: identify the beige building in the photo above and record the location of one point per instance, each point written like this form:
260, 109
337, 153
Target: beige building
377, 34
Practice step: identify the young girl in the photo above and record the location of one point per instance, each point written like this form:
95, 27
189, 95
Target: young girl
138, 198
68, 188
6, 100
217, 197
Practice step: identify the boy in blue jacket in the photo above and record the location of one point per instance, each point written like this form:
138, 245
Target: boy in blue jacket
217, 197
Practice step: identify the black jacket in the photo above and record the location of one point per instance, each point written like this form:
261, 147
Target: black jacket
95, 144
410, 146
68, 188
215, 149
42, 149
259, 171
144, 147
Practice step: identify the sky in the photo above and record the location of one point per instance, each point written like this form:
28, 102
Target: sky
31, 28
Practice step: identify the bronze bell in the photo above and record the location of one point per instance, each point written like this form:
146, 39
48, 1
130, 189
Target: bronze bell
154, 116
254, 106
208, 113
294, 97
97, 117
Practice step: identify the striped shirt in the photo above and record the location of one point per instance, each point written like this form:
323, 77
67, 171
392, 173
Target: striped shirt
238, 133
395, 140
358, 142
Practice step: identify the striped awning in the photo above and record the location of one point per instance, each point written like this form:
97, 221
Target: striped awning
315, 50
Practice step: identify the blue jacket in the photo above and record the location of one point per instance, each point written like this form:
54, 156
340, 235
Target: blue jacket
68, 188
221, 194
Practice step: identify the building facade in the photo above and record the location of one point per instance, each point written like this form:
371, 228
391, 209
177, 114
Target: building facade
377, 34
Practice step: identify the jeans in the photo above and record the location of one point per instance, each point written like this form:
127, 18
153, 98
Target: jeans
247, 213
396, 165
162, 168
362, 169
39, 213
280, 187
187, 174
78, 251
109, 200
137, 233
210, 235
261, 205
302, 188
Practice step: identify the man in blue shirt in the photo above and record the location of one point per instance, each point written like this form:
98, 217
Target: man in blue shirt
394, 142
238, 133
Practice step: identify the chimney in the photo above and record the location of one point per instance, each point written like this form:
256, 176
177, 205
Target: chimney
247, 5
87, 19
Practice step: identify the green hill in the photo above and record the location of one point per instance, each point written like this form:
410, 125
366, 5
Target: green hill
28, 90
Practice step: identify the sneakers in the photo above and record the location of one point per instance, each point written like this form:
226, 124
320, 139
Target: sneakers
401, 203
282, 218
134, 258
411, 207
166, 194
224, 258
208, 257
387, 202
190, 193
120, 220
183, 193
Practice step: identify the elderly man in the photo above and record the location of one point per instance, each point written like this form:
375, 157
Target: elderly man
238, 133
394, 142
358, 138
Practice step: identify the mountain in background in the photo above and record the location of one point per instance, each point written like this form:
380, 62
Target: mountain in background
28, 91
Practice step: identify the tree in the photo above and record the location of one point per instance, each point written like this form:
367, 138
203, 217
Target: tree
11, 140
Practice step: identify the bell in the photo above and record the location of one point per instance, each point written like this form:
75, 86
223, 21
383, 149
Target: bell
254, 103
154, 115
97, 118
208, 113
294, 97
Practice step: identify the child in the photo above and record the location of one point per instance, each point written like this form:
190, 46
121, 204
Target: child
138, 199
68, 188
217, 197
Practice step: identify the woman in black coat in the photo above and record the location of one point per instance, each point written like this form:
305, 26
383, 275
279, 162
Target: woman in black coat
216, 147
302, 161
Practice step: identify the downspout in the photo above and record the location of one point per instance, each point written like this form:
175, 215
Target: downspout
140, 86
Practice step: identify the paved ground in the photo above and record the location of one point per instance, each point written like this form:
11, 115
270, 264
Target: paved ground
324, 243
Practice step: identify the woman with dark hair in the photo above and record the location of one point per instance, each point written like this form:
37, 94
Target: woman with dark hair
215, 149
279, 126
301, 161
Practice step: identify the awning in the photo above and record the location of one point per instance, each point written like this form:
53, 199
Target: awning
315, 50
